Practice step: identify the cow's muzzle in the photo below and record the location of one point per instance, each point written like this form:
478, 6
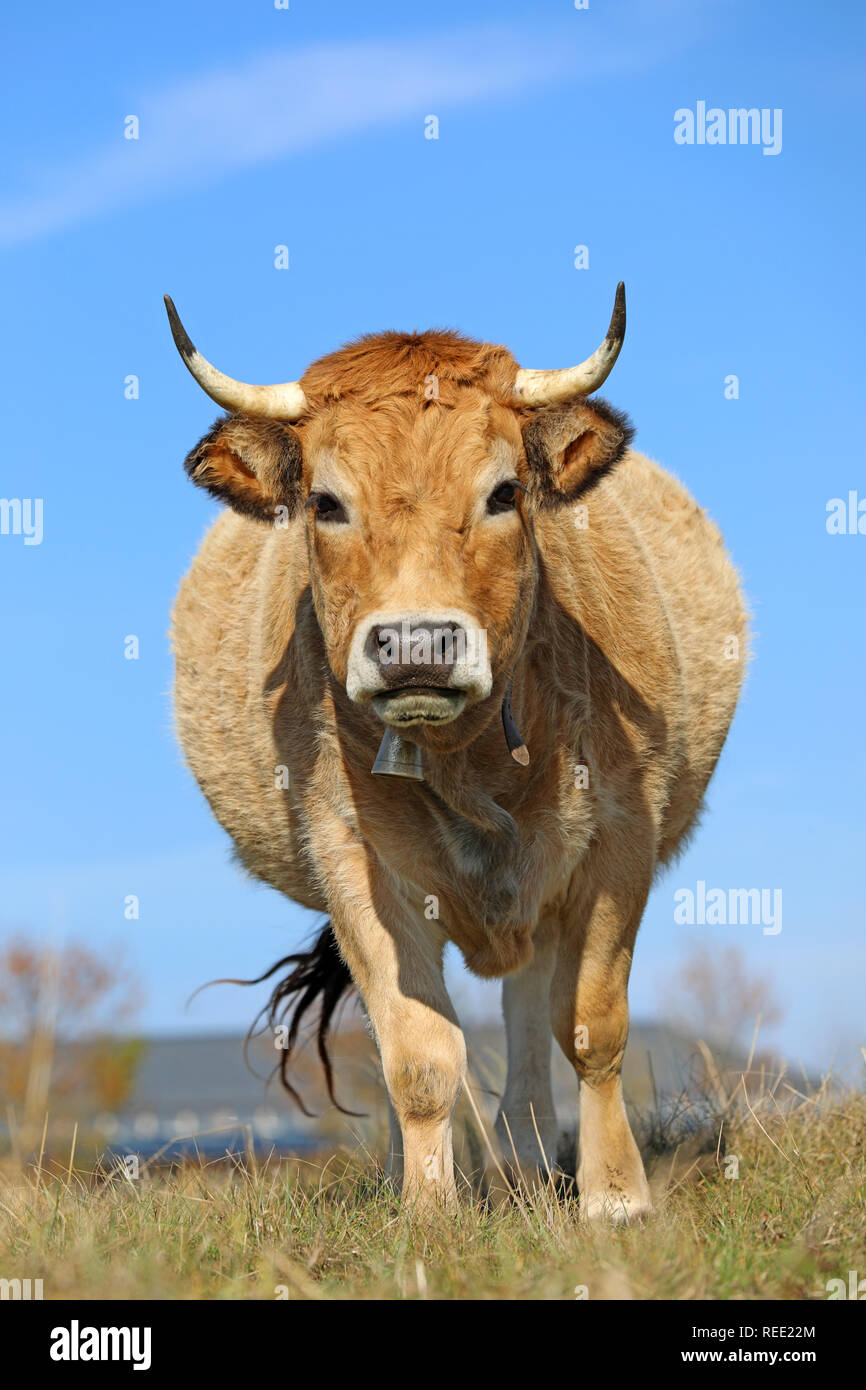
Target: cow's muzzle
420, 668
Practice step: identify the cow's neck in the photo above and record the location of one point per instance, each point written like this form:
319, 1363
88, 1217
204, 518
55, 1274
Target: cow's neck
478, 834
480, 790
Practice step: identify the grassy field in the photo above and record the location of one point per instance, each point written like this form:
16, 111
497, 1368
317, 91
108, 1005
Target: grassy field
792, 1218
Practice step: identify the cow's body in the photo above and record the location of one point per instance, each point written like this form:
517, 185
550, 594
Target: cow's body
624, 686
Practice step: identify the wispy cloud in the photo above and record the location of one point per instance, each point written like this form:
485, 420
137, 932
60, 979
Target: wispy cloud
272, 106
267, 108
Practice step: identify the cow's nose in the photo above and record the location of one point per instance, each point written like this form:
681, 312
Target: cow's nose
417, 656
426, 649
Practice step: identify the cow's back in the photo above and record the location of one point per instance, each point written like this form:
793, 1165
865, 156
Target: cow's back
645, 572
233, 619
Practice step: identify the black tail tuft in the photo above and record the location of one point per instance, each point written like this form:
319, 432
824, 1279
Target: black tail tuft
320, 973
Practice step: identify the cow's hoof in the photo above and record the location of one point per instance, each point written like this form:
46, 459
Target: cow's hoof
619, 1210
617, 1200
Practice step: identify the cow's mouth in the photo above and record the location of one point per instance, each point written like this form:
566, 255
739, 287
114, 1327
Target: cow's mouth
430, 704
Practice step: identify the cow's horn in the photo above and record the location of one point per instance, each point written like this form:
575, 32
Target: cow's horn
284, 401
550, 388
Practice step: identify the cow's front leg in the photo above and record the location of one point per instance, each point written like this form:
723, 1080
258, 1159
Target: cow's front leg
589, 1014
396, 962
399, 974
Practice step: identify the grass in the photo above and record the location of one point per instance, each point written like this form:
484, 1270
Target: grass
793, 1218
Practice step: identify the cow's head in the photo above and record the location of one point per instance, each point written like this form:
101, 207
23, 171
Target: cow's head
420, 462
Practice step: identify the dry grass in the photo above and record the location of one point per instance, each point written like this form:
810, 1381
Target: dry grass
793, 1218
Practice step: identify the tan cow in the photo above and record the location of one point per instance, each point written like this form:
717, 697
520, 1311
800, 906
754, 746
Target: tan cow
458, 570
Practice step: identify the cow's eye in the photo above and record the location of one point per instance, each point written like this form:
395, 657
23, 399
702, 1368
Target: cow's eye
325, 507
503, 498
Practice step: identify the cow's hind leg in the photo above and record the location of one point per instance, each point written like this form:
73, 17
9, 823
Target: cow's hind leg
526, 1122
589, 1014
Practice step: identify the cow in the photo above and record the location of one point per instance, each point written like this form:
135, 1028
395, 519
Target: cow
456, 665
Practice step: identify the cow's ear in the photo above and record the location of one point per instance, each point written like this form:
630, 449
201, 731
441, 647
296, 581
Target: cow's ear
570, 447
251, 463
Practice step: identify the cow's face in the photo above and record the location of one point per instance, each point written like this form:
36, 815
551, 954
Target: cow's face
418, 506
422, 558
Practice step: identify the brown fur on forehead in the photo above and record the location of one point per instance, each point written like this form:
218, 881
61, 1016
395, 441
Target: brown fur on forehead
380, 365
410, 454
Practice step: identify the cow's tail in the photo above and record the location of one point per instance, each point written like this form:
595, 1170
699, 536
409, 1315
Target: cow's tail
319, 974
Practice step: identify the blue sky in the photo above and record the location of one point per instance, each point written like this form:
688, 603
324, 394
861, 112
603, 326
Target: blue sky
261, 127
